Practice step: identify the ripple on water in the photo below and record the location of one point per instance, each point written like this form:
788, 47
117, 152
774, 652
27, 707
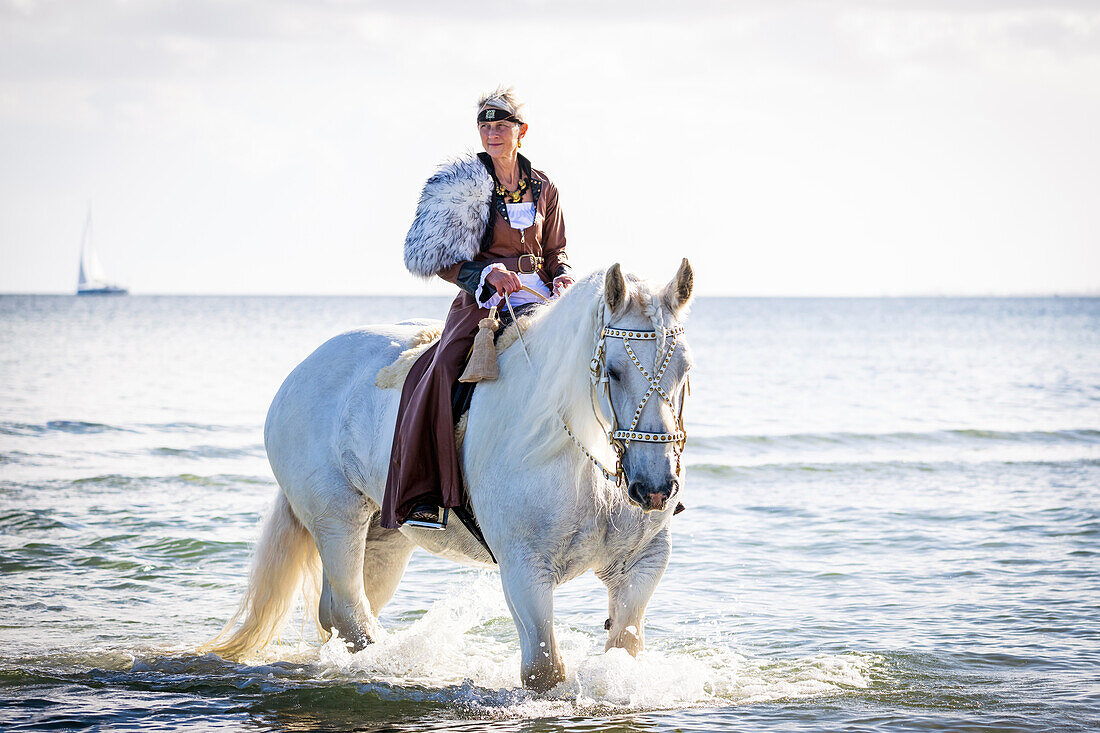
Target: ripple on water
957, 438
191, 548
27, 520
864, 567
208, 451
58, 426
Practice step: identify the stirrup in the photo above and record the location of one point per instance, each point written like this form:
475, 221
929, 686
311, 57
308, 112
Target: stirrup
439, 523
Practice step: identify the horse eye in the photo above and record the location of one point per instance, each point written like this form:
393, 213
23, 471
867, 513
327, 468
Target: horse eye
614, 375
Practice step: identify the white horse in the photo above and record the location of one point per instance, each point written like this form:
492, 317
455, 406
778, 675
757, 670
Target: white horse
547, 506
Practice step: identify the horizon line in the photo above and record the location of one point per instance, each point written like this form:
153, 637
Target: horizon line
917, 294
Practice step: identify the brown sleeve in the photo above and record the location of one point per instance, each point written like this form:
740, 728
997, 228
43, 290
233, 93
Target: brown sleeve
553, 235
450, 274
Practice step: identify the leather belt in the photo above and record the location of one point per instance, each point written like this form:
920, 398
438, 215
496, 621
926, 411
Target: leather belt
527, 264
534, 264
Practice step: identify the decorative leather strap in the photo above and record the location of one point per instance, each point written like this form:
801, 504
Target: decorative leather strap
649, 437
619, 333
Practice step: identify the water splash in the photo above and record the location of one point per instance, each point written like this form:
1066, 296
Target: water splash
463, 651
442, 647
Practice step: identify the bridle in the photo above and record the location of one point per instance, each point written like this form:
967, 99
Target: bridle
618, 438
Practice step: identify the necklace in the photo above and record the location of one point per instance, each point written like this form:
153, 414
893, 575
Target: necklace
517, 195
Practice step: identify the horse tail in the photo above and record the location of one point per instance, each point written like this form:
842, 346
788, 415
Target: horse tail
286, 558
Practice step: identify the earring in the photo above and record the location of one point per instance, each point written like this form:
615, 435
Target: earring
520, 145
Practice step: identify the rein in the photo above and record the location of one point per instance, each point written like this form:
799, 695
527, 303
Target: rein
519, 330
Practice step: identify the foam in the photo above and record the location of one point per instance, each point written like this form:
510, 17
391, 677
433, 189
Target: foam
464, 652
440, 648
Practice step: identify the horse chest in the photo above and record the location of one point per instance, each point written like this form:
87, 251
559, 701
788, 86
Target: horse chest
605, 542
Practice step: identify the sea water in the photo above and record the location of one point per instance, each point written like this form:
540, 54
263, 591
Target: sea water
893, 524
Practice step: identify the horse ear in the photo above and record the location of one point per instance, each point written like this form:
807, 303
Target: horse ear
677, 294
614, 288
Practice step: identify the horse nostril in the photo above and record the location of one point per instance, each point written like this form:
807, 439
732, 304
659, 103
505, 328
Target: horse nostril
657, 500
643, 494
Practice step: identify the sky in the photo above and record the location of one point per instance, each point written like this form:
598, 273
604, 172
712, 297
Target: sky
946, 147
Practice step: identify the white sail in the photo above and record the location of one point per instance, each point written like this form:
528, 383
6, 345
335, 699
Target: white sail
91, 277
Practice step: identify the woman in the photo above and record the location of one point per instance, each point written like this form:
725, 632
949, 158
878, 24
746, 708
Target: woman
521, 243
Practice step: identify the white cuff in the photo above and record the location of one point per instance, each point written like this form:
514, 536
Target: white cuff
481, 284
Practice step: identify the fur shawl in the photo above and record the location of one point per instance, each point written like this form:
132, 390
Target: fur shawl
451, 217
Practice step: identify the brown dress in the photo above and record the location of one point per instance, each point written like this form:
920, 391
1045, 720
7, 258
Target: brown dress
424, 463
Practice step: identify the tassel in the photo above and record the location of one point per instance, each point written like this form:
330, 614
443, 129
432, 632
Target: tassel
482, 366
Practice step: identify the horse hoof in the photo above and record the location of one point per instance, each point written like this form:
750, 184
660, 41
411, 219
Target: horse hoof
354, 641
607, 625
545, 678
359, 644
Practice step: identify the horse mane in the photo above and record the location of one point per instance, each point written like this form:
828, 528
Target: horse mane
562, 339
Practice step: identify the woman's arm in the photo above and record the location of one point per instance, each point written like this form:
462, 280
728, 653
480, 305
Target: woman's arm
553, 241
468, 276
465, 275
553, 236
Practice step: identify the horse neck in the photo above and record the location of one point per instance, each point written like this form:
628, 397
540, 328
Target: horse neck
562, 343
556, 384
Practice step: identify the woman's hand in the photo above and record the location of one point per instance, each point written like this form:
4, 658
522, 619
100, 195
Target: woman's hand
505, 281
561, 282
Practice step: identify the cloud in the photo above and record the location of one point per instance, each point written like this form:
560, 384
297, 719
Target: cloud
819, 137
117, 41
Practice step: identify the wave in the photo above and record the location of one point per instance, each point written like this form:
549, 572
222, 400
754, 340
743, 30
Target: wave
726, 471
113, 480
58, 426
190, 548
122, 557
191, 427
109, 483
81, 427
22, 520
935, 437
210, 451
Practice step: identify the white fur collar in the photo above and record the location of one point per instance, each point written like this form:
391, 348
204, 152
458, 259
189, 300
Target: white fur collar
450, 218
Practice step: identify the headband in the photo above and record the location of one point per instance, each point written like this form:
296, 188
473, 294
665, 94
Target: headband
492, 114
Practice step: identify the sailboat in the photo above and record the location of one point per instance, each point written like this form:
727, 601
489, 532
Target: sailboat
92, 280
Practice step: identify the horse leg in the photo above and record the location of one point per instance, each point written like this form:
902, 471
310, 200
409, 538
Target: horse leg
340, 533
531, 601
385, 555
384, 559
630, 584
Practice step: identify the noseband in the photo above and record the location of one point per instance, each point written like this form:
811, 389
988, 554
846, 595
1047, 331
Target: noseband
601, 386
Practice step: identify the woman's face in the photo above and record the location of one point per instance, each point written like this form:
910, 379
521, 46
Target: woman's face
500, 139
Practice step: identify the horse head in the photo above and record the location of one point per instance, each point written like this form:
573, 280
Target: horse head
640, 372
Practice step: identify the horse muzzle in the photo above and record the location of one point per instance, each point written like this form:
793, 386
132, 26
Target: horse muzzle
651, 498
